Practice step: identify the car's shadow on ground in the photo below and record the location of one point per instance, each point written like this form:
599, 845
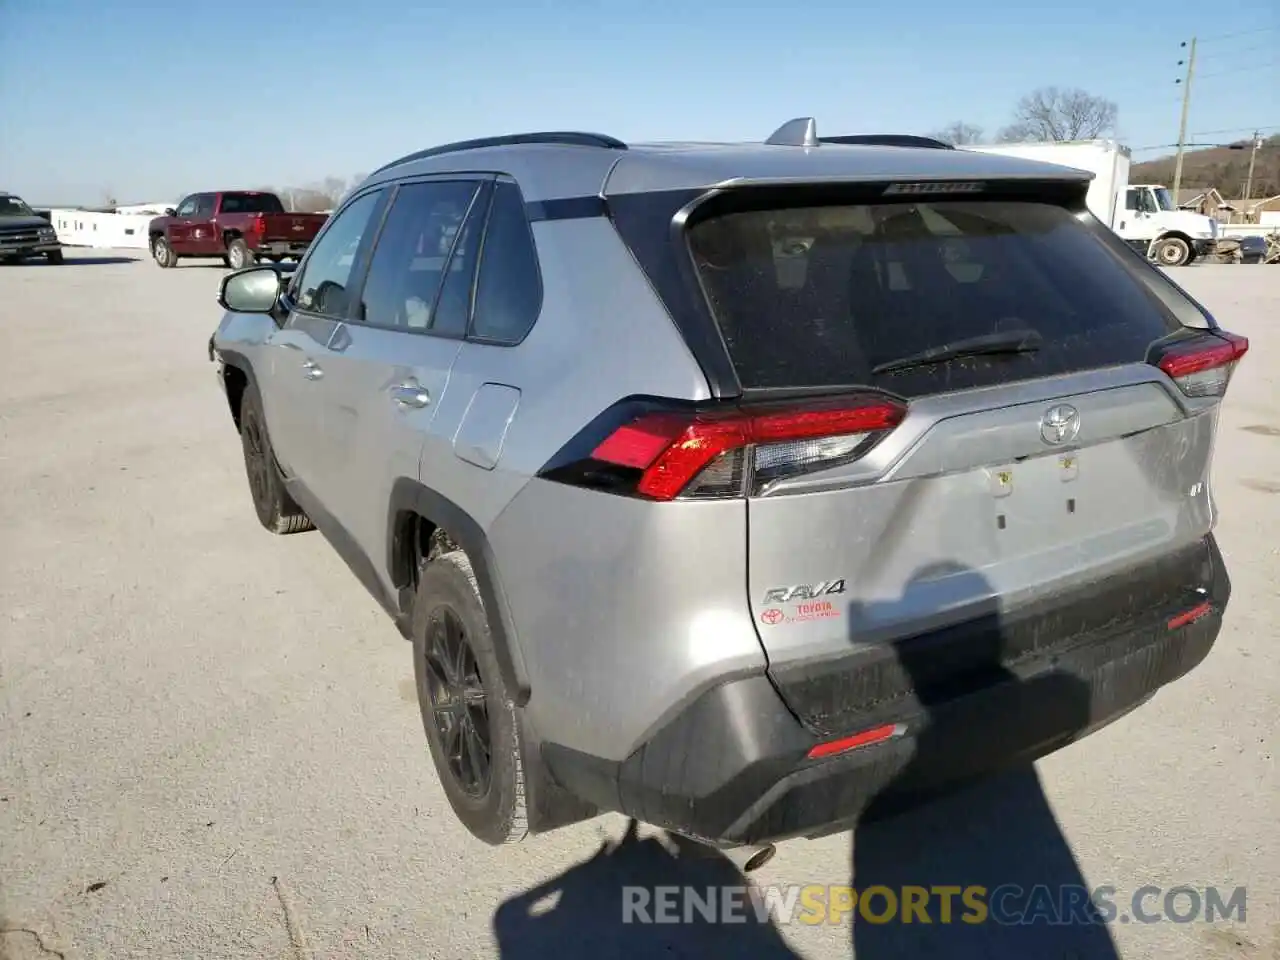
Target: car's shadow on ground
997, 842
994, 853
73, 260
581, 913
999, 835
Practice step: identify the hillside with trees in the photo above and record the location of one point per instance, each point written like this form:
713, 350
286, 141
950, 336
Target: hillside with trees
1225, 168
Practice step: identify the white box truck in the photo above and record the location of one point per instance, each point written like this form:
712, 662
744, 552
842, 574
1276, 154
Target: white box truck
1144, 215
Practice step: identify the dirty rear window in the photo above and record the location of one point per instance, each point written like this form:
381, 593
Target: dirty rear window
820, 296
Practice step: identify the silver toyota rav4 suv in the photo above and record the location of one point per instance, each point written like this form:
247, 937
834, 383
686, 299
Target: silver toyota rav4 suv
744, 489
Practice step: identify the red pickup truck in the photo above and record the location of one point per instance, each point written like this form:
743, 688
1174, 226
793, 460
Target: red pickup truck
239, 227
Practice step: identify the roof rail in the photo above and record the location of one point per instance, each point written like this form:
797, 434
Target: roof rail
889, 140
569, 138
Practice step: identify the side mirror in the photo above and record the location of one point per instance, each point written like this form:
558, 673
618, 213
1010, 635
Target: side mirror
252, 290
169, 211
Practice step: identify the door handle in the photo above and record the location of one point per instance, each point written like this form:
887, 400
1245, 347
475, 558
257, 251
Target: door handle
413, 395
311, 370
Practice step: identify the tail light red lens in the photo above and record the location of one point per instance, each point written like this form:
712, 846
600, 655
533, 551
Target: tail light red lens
259, 225
740, 451
1203, 367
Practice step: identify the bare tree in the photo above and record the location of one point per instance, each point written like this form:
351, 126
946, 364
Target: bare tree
1053, 114
959, 133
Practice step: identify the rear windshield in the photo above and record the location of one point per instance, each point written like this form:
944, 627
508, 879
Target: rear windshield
251, 203
820, 296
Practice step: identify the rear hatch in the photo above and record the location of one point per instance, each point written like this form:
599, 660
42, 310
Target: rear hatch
975, 410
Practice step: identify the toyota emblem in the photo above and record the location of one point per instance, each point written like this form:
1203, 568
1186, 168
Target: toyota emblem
1060, 424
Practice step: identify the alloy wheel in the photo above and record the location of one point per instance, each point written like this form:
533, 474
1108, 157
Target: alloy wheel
256, 462
458, 702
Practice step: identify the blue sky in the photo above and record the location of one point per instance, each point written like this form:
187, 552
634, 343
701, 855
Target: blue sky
148, 99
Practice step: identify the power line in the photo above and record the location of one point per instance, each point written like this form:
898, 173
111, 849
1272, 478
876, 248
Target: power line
1235, 71
1189, 145
1238, 33
1211, 133
1218, 54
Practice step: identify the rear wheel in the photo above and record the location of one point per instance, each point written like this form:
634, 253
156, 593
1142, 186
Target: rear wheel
275, 508
162, 253
469, 717
239, 255
1173, 252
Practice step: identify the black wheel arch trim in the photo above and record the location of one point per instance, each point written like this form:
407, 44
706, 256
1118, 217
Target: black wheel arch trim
237, 360
410, 496
234, 358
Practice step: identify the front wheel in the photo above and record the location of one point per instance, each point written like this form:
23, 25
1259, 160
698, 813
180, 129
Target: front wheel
1172, 252
239, 255
276, 510
54, 256
470, 719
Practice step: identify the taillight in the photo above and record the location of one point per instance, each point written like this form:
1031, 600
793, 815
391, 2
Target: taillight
259, 224
734, 452
1202, 367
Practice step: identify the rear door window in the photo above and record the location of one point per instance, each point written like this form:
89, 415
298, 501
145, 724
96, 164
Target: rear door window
402, 289
821, 296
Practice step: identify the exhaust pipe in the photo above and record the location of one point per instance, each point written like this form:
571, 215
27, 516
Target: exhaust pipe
750, 859
745, 858
759, 858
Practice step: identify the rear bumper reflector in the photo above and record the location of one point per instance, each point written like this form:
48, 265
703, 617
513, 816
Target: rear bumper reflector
1190, 616
863, 739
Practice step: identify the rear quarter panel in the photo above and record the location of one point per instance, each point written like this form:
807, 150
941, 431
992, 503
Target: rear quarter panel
622, 608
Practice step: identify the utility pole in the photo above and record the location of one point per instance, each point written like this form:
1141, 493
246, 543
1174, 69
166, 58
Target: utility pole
1182, 127
1253, 155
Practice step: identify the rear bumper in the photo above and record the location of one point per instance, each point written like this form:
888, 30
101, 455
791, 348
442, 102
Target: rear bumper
732, 767
281, 248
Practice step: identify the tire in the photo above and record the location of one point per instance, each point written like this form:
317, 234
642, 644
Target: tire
239, 255
494, 809
276, 510
1172, 252
54, 256
163, 254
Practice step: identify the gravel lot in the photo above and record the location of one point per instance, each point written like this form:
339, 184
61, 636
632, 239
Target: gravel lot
209, 744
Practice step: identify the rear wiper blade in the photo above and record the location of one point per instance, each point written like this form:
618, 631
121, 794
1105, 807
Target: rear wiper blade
989, 344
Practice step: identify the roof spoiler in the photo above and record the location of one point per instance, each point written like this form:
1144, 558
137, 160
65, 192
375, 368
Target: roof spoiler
803, 132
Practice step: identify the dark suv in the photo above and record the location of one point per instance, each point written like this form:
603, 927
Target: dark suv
24, 233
